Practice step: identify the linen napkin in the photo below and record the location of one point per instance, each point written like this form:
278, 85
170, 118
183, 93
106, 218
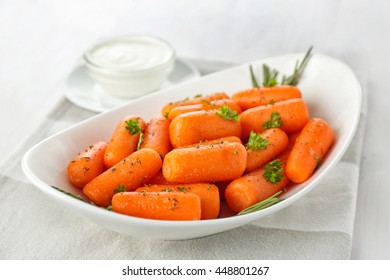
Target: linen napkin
318, 226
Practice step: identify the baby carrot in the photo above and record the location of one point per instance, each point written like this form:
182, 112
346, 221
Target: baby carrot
211, 163
193, 127
158, 205
254, 97
196, 100
309, 149
208, 193
124, 139
256, 186
205, 105
158, 179
230, 139
87, 165
289, 115
283, 156
261, 148
156, 136
127, 175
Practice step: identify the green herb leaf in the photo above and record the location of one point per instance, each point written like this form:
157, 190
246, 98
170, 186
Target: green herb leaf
318, 159
256, 142
132, 126
120, 188
274, 121
140, 141
253, 78
207, 102
227, 113
167, 113
262, 204
79, 197
270, 77
294, 78
273, 171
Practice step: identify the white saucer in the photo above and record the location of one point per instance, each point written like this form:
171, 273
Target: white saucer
83, 91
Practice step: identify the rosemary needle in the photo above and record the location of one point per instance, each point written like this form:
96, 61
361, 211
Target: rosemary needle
79, 197
262, 204
298, 70
253, 78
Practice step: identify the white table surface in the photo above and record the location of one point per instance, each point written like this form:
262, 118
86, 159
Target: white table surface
41, 41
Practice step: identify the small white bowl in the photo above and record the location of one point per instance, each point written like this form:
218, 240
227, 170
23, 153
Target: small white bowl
130, 66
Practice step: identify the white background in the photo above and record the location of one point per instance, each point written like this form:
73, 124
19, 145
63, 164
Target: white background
41, 41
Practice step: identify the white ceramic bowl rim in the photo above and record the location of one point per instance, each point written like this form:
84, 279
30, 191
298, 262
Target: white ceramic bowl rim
93, 64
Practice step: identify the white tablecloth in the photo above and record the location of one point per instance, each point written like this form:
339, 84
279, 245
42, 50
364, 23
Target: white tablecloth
41, 41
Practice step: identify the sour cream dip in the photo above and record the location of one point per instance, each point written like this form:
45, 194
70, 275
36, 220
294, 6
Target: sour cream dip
130, 66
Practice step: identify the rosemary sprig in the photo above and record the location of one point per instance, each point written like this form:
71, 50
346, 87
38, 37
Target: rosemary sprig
253, 78
262, 204
293, 79
270, 77
79, 197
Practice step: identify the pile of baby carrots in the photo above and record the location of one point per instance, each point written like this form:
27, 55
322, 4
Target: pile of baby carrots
203, 150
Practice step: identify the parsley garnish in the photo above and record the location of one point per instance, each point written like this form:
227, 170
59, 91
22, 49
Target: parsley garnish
120, 188
256, 142
274, 121
167, 113
318, 159
272, 102
273, 171
207, 102
132, 126
227, 113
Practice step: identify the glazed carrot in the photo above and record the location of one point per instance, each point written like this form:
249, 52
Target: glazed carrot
212, 163
261, 148
290, 116
309, 149
87, 165
196, 100
124, 139
156, 136
256, 186
254, 97
158, 179
158, 205
208, 193
193, 127
205, 105
230, 139
127, 175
